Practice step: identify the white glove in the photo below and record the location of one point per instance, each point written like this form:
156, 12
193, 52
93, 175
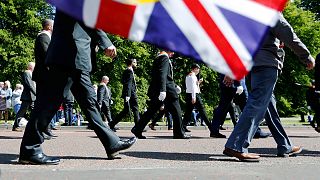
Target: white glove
162, 96
308, 107
111, 102
178, 89
239, 90
127, 99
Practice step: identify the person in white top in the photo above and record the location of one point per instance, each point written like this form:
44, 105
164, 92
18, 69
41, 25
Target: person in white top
16, 95
193, 99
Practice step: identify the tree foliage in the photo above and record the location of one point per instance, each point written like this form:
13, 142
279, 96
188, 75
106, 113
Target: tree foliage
20, 21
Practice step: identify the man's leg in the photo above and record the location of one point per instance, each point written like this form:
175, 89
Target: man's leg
107, 112
153, 106
187, 112
82, 86
119, 117
173, 106
202, 112
135, 109
21, 113
49, 98
284, 144
263, 80
226, 96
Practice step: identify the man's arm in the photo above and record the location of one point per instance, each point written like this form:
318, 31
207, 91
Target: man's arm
100, 94
106, 44
127, 82
29, 83
44, 40
286, 34
163, 72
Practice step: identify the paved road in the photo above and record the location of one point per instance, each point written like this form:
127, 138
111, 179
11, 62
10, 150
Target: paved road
160, 157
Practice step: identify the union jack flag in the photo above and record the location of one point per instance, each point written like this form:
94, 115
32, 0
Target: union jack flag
225, 34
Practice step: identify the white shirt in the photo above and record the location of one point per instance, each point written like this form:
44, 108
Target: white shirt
192, 84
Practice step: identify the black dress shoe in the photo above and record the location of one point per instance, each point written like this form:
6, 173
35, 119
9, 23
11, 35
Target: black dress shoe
138, 134
217, 135
49, 133
121, 145
39, 159
184, 136
45, 136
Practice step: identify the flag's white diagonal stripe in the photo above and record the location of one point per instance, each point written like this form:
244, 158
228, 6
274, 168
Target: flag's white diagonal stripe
91, 12
140, 21
250, 9
196, 35
228, 33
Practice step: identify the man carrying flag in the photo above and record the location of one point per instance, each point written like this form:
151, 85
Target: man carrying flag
261, 102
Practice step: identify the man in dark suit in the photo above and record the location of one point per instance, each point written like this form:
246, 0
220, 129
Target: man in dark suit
104, 98
129, 94
162, 90
40, 51
28, 95
70, 56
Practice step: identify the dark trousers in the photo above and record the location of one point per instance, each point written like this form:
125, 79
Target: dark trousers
22, 111
172, 105
220, 113
68, 114
106, 110
48, 102
131, 104
160, 114
199, 106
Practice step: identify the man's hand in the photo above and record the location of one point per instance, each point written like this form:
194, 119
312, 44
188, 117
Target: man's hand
127, 99
239, 90
162, 96
311, 64
178, 89
227, 81
200, 81
111, 51
194, 100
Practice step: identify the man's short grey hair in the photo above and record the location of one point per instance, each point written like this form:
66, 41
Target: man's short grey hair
105, 78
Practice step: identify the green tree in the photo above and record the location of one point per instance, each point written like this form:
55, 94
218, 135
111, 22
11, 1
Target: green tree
291, 97
20, 21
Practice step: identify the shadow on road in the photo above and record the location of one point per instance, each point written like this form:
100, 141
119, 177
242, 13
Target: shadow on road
10, 137
178, 156
272, 152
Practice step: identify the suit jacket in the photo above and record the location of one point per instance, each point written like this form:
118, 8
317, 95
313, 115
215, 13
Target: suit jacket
75, 43
129, 84
162, 78
40, 51
29, 88
104, 94
267, 54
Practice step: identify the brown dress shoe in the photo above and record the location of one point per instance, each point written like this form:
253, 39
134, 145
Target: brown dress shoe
295, 150
247, 157
17, 129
